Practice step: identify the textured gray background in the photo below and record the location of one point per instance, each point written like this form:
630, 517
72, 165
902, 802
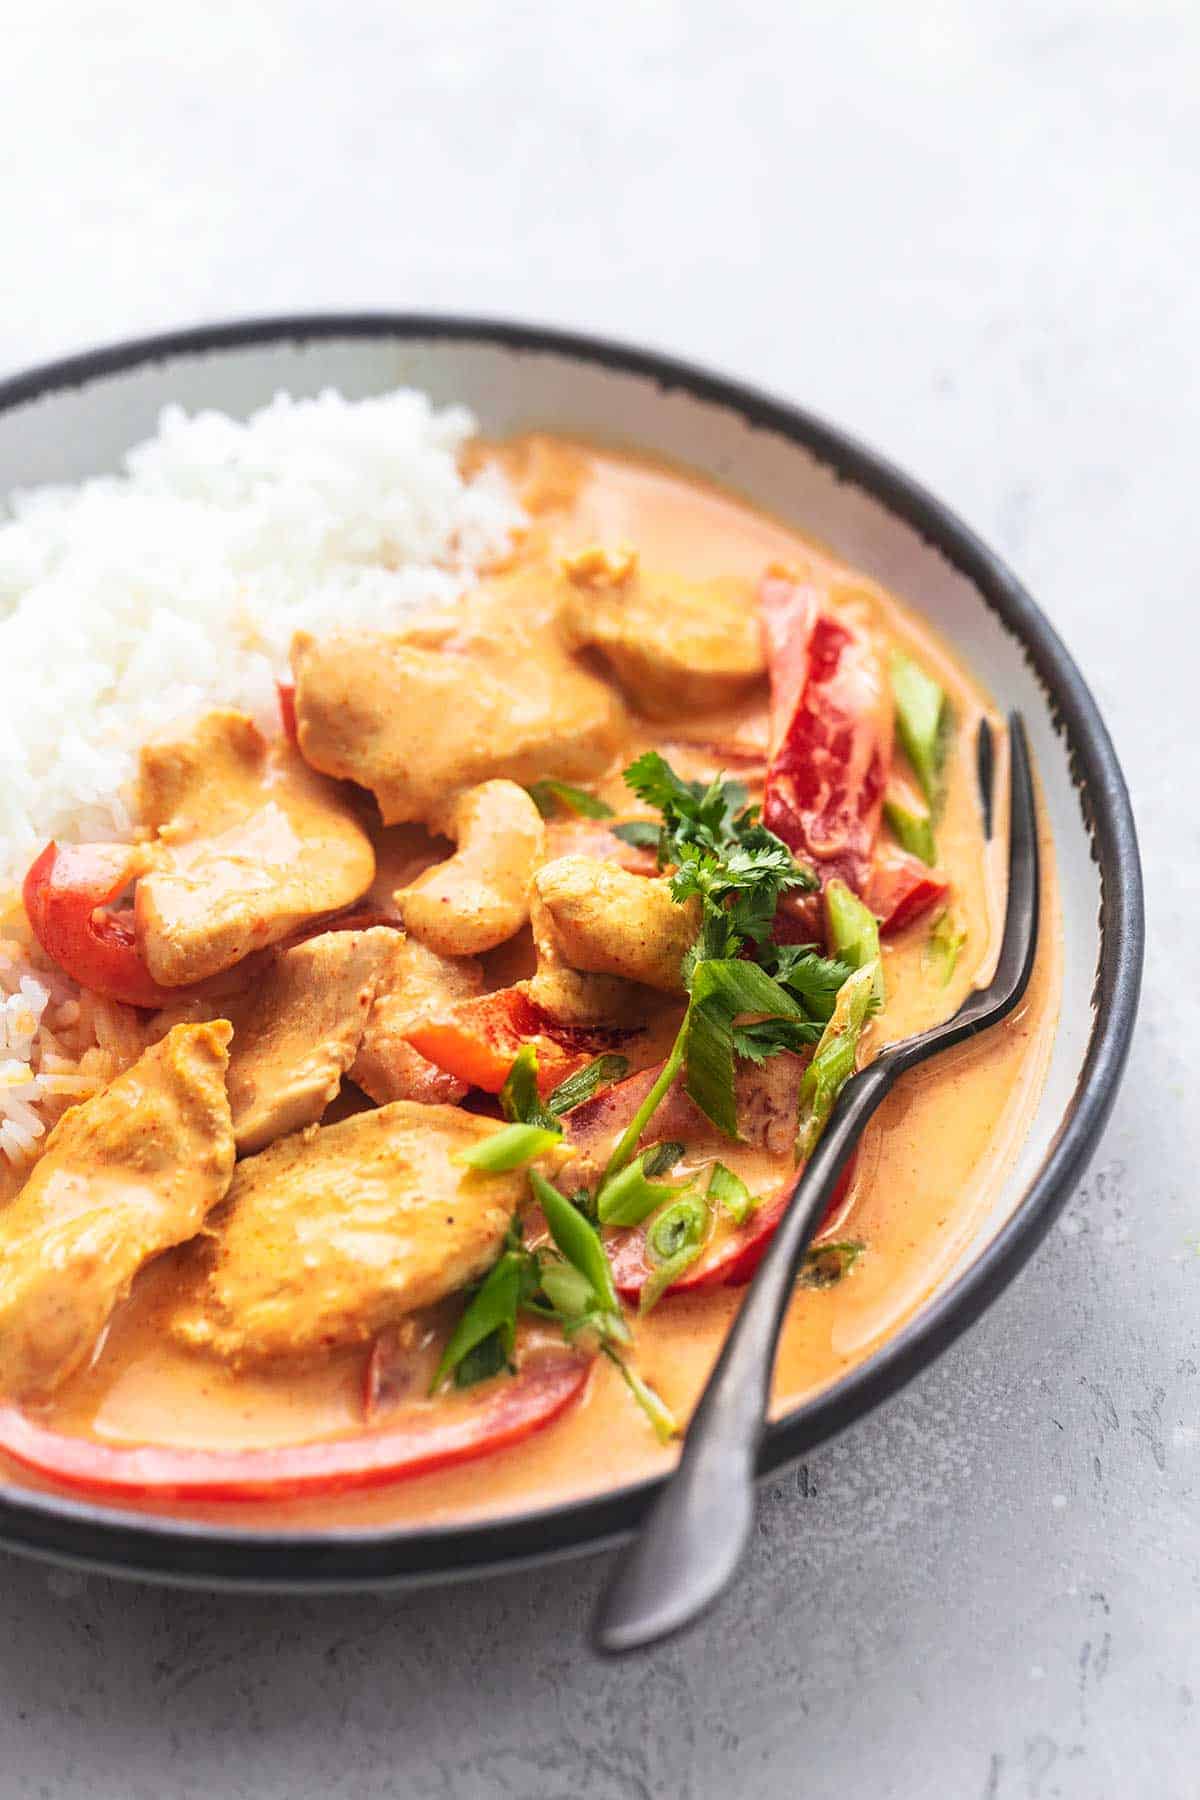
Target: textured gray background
969, 232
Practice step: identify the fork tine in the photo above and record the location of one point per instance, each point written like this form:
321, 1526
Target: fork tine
1015, 962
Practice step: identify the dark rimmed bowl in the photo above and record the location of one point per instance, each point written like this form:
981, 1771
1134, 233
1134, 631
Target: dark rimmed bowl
77, 417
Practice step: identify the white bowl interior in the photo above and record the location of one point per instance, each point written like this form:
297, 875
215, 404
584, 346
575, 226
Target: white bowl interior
67, 434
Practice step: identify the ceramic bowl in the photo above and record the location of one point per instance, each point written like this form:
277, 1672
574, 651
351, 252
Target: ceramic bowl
76, 418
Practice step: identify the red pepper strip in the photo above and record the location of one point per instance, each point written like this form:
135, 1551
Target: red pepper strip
902, 888
478, 1040
65, 893
732, 1261
426, 1435
831, 732
287, 710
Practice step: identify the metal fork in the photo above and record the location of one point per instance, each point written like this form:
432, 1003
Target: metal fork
693, 1539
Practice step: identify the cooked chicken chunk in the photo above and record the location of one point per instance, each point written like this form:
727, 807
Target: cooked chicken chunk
418, 985
300, 1027
567, 994
337, 1232
608, 922
674, 645
479, 897
501, 696
249, 844
126, 1174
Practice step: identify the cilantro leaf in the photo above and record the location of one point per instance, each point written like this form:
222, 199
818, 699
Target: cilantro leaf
768, 1037
813, 979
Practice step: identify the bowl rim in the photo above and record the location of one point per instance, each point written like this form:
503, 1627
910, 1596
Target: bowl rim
153, 1546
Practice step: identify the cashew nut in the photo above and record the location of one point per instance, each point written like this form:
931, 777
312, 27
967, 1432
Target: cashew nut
479, 896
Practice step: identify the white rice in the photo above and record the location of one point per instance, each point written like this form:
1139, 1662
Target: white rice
130, 603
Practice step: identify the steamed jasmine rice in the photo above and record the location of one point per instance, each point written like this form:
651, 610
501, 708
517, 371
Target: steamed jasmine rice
130, 603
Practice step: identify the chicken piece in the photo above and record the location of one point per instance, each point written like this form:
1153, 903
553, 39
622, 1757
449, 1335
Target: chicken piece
675, 645
504, 696
128, 1173
479, 897
419, 984
569, 996
249, 844
335, 1233
606, 921
300, 1027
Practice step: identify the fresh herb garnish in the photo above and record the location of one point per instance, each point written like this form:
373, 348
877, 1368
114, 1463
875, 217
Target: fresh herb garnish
913, 831
653, 1405
768, 1037
833, 1059
660, 1159
551, 796
729, 1191
587, 1082
520, 1101
944, 946
510, 1148
578, 1240
854, 932
490, 1318
826, 1264
720, 853
673, 1242
627, 1198
922, 719
813, 979
721, 991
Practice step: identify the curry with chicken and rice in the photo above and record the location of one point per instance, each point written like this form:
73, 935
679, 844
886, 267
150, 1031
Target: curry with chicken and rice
494, 1002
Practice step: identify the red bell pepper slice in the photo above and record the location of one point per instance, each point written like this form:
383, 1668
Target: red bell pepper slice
831, 731
421, 1437
65, 893
902, 888
730, 1263
478, 1040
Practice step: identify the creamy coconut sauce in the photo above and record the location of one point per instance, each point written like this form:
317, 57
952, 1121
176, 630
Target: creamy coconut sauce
930, 1166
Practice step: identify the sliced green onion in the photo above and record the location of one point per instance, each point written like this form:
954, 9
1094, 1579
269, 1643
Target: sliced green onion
853, 931
627, 1143
488, 1358
944, 946
549, 795
660, 1159
912, 831
826, 1264
721, 990
627, 1198
578, 1240
520, 1101
921, 716
833, 1060
569, 1292
492, 1309
655, 1408
673, 1243
510, 1148
585, 1083
729, 1191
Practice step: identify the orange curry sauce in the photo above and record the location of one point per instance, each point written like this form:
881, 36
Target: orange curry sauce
930, 1163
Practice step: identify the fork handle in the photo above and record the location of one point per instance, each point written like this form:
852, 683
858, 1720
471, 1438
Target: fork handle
693, 1540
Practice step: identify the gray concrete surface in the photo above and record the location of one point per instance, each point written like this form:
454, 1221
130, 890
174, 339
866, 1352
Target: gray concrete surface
970, 233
